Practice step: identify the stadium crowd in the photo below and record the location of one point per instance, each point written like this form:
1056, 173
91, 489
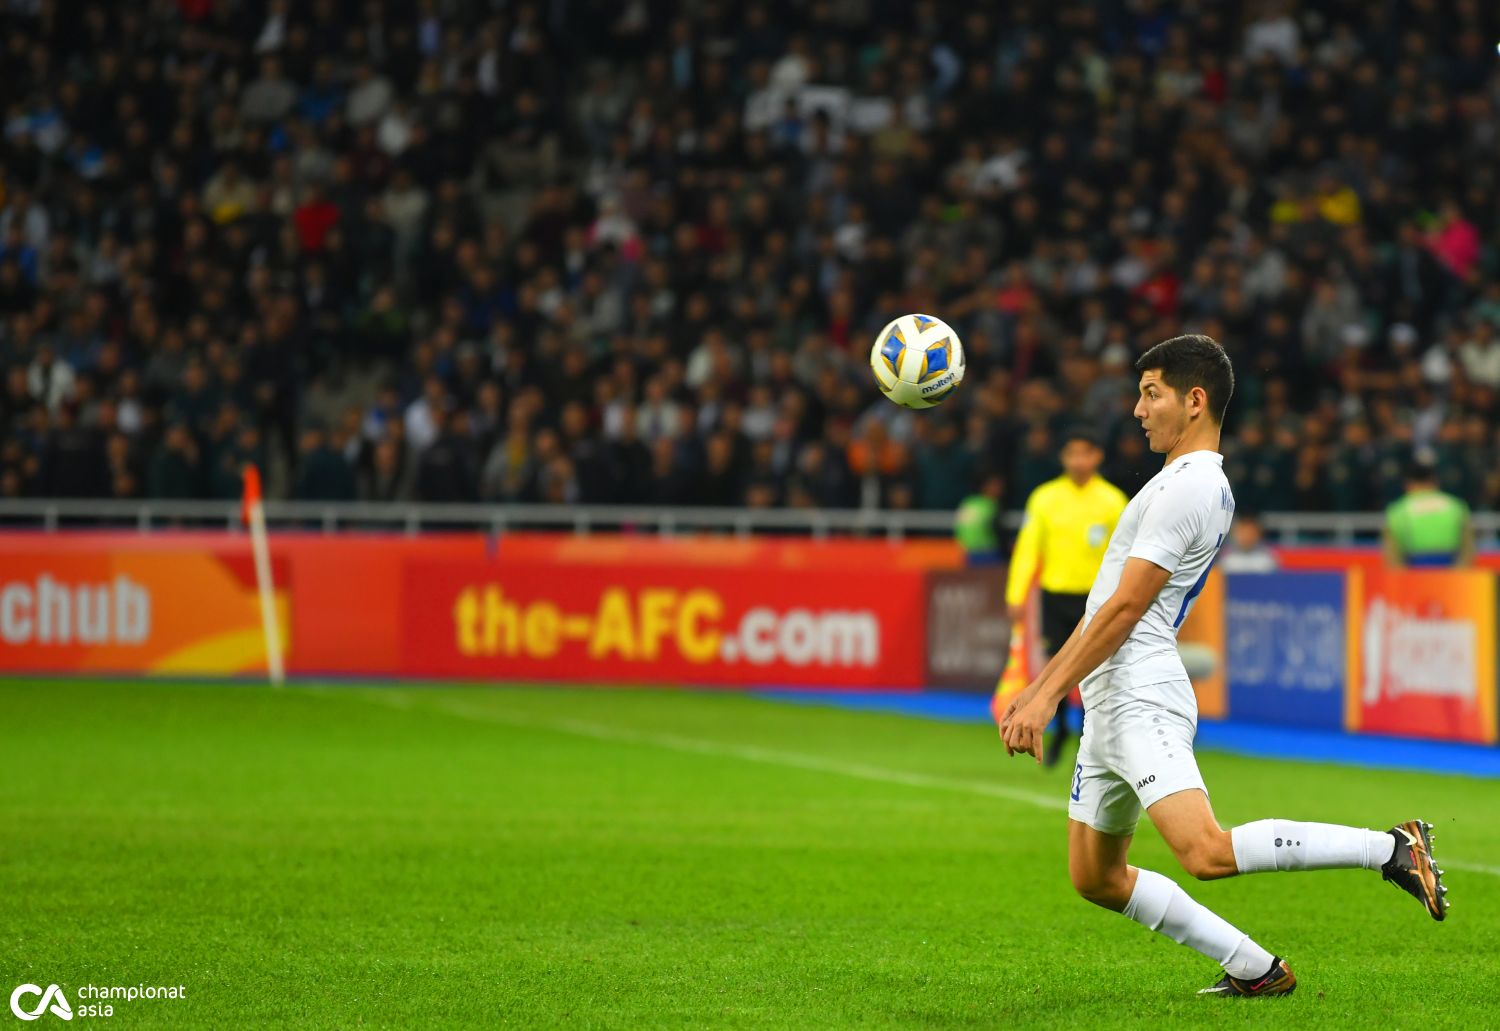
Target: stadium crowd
636, 251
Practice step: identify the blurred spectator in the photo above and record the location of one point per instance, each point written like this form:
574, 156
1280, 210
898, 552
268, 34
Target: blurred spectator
1247, 551
446, 467
175, 470
1479, 355
945, 468
73, 462
976, 524
270, 97
424, 416
49, 379
628, 462
389, 477
1427, 527
579, 253
323, 473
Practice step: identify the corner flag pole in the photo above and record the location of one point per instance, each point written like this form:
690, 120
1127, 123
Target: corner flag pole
253, 511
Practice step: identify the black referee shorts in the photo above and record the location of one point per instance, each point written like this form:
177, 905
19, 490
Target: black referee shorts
1060, 615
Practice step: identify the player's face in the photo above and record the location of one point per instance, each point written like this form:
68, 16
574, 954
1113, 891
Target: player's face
1080, 459
1162, 412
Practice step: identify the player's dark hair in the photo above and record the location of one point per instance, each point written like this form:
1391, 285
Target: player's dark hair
1193, 360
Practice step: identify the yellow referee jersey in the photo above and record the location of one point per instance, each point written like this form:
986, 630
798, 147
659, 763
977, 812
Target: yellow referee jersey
1065, 532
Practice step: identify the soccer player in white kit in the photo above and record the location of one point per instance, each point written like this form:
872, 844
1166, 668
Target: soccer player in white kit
1141, 714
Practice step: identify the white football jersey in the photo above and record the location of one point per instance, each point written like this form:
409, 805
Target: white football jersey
1178, 521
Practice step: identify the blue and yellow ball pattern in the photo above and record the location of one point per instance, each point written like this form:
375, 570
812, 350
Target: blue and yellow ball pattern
918, 361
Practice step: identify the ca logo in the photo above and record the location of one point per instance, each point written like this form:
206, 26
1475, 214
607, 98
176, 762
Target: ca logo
52, 995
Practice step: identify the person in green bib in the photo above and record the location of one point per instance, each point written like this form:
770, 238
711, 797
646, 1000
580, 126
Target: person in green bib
1427, 527
976, 525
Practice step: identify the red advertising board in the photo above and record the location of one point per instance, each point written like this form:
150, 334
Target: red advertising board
690, 625
630, 609
1421, 653
791, 553
68, 609
184, 603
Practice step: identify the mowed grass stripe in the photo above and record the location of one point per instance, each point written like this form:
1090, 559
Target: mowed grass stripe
724, 749
750, 753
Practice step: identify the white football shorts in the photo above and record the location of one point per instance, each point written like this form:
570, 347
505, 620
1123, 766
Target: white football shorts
1132, 755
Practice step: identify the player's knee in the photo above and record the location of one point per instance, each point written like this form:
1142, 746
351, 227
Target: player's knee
1106, 889
1208, 857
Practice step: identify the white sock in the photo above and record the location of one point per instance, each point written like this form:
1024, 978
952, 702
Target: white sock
1161, 905
1267, 845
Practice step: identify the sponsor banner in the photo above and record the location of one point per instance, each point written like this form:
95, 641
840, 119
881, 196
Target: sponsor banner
1285, 648
687, 625
792, 553
968, 636
347, 620
1335, 558
1421, 653
181, 613
1328, 558
1201, 643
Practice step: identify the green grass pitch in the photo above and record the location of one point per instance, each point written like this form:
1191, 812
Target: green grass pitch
443, 857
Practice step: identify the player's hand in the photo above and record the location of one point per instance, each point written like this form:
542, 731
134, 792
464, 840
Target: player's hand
1023, 728
1017, 700
1010, 711
1015, 613
1020, 698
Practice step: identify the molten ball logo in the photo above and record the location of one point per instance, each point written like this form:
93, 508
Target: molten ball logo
53, 996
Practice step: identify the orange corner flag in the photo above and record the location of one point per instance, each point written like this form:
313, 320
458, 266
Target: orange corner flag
251, 497
1018, 667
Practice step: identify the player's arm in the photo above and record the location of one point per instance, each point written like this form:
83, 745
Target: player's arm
1062, 654
1087, 649
1170, 525
1029, 692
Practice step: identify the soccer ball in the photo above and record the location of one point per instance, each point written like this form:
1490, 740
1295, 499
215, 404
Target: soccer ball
918, 361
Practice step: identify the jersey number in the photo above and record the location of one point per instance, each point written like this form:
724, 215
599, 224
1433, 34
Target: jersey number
1197, 588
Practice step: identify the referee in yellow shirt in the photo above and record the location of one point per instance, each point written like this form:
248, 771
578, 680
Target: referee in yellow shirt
1068, 523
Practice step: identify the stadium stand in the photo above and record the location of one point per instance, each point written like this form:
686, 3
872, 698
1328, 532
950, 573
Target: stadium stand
635, 251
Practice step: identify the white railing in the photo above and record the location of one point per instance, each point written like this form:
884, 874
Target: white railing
54, 514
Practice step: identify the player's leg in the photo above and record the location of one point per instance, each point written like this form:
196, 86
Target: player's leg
1097, 867
1403, 854
1103, 811
1207, 851
1100, 874
1185, 819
